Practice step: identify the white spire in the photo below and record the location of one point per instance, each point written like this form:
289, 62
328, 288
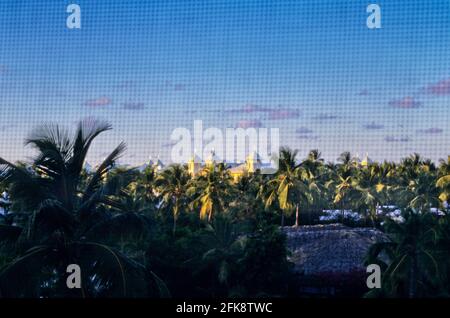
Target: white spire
196, 158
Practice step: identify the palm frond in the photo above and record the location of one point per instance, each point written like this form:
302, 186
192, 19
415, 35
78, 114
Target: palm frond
104, 167
87, 131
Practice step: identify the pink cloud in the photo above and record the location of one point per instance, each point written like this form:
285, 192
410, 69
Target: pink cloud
133, 106
169, 144
407, 102
273, 113
125, 85
179, 87
7, 127
251, 108
280, 114
171, 86
325, 117
396, 139
439, 88
431, 131
363, 92
303, 131
249, 124
101, 101
373, 126
307, 137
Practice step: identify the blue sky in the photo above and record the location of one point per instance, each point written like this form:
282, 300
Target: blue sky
310, 68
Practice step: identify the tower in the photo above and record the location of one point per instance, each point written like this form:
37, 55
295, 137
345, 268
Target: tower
253, 162
194, 165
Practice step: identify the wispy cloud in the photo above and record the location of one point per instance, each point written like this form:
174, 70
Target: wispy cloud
249, 109
170, 86
373, 126
439, 88
431, 131
133, 105
364, 92
308, 137
305, 134
325, 117
396, 139
249, 123
97, 102
7, 127
303, 131
281, 114
269, 113
407, 102
179, 87
169, 144
3, 69
125, 85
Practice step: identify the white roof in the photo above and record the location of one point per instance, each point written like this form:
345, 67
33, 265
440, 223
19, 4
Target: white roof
213, 157
159, 164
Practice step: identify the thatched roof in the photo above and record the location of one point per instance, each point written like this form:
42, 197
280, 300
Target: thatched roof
332, 248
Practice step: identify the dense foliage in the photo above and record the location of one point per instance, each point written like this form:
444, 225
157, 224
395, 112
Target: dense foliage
149, 233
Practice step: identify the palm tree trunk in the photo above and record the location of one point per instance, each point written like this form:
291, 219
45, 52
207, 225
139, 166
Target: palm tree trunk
296, 215
175, 217
174, 229
373, 215
413, 277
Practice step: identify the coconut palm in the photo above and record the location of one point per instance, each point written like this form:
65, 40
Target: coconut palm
287, 187
409, 168
211, 190
372, 187
444, 180
172, 185
247, 187
313, 162
226, 247
421, 192
346, 162
410, 257
67, 220
345, 192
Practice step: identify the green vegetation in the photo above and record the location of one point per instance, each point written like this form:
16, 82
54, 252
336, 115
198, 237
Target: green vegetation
165, 233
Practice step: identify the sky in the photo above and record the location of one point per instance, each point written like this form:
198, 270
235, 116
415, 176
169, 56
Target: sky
312, 69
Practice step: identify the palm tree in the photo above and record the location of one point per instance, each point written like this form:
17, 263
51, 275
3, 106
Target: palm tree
410, 256
226, 247
287, 187
345, 191
444, 180
372, 188
172, 185
410, 168
145, 186
421, 192
346, 161
211, 190
67, 219
247, 187
313, 162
